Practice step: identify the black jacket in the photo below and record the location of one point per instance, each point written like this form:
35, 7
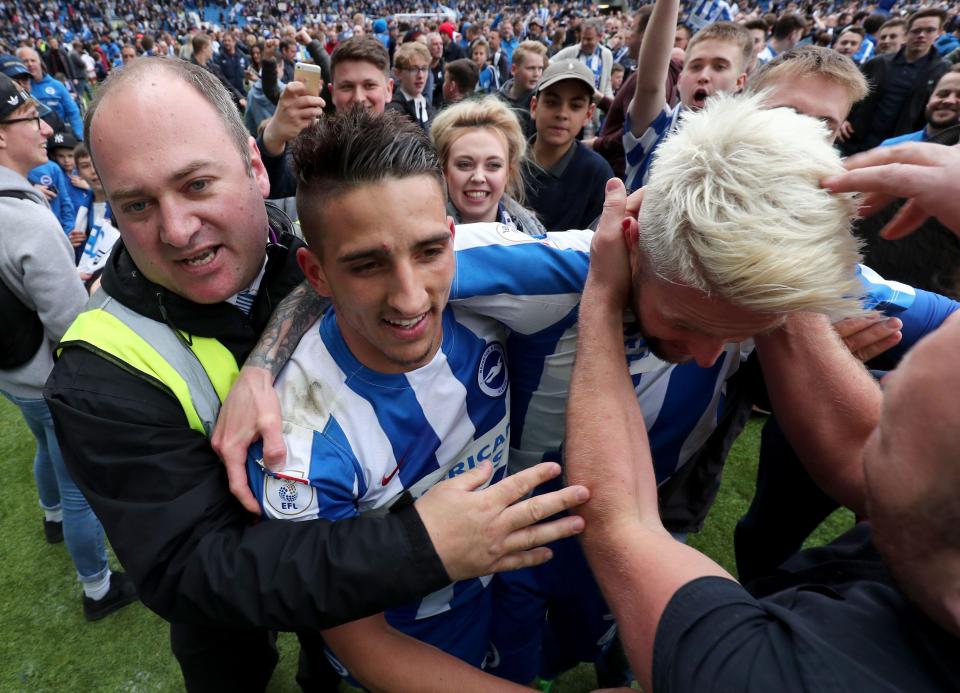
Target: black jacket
402, 104
161, 492
911, 117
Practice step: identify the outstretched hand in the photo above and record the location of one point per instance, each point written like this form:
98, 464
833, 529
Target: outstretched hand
477, 532
925, 173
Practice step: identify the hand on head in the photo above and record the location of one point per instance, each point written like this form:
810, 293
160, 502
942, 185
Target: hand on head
927, 174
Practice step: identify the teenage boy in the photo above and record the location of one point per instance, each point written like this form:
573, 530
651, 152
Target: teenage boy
529, 60
716, 60
460, 79
98, 228
564, 179
412, 65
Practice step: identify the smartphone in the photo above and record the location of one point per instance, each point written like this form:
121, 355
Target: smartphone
309, 75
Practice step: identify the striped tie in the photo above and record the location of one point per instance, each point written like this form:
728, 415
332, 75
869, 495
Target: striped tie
245, 301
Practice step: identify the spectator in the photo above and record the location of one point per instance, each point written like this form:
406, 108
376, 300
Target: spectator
480, 147
100, 233
787, 33
38, 275
451, 50
716, 61
681, 36
848, 41
758, 32
203, 56
232, 63
60, 147
412, 64
942, 111
564, 179
55, 186
434, 89
529, 60
616, 77
593, 54
489, 79
535, 31
871, 28
127, 54
892, 36
901, 86
459, 80
50, 92
609, 143
288, 57
499, 57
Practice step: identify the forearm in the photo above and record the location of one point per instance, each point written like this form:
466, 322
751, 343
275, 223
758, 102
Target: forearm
289, 322
638, 565
412, 665
653, 64
825, 401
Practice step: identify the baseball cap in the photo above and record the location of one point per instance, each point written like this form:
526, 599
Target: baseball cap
566, 69
535, 20
12, 66
61, 140
12, 97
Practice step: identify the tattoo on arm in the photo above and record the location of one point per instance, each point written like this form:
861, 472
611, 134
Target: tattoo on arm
289, 322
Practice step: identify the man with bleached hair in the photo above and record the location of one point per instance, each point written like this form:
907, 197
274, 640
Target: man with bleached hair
875, 610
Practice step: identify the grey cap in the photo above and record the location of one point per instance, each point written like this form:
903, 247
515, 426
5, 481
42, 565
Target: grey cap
566, 69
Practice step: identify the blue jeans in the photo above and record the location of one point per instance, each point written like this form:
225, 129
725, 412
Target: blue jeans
82, 531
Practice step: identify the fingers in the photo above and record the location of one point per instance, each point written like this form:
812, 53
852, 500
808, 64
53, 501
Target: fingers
908, 219
274, 450
523, 517
472, 479
237, 478
522, 559
920, 154
514, 487
870, 336
633, 203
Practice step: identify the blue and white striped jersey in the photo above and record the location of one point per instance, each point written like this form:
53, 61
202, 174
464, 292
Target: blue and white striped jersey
706, 12
639, 151
359, 440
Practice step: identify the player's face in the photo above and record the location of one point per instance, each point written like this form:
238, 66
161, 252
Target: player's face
681, 324
360, 82
189, 209
476, 173
943, 108
711, 66
386, 261
848, 44
813, 96
909, 464
560, 111
528, 72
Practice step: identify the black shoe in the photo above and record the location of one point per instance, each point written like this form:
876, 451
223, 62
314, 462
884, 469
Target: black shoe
121, 593
53, 531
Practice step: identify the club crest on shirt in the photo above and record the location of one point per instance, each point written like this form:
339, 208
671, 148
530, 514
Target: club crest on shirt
286, 497
511, 235
492, 374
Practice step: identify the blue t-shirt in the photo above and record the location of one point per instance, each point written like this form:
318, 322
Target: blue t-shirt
639, 151
918, 136
51, 175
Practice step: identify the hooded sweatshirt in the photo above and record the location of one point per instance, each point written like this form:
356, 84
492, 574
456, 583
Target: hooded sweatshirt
36, 264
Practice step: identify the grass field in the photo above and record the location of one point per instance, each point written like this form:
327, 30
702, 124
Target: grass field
47, 645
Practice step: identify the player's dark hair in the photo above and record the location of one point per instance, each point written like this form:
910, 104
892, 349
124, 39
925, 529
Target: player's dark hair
356, 148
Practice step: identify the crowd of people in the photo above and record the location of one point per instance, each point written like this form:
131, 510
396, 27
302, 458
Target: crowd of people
304, 351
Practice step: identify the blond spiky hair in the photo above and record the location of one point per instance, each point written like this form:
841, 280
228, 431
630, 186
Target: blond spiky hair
734, 208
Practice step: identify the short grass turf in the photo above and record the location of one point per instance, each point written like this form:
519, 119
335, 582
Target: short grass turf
48, 646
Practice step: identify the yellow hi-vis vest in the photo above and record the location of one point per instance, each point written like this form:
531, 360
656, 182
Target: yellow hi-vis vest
198, 371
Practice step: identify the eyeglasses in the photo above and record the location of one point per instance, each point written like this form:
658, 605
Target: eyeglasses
34, 118
415, 70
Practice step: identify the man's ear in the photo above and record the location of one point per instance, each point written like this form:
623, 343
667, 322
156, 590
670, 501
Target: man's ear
260, 175
313, 271
741, 82
533, 106
389, 90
